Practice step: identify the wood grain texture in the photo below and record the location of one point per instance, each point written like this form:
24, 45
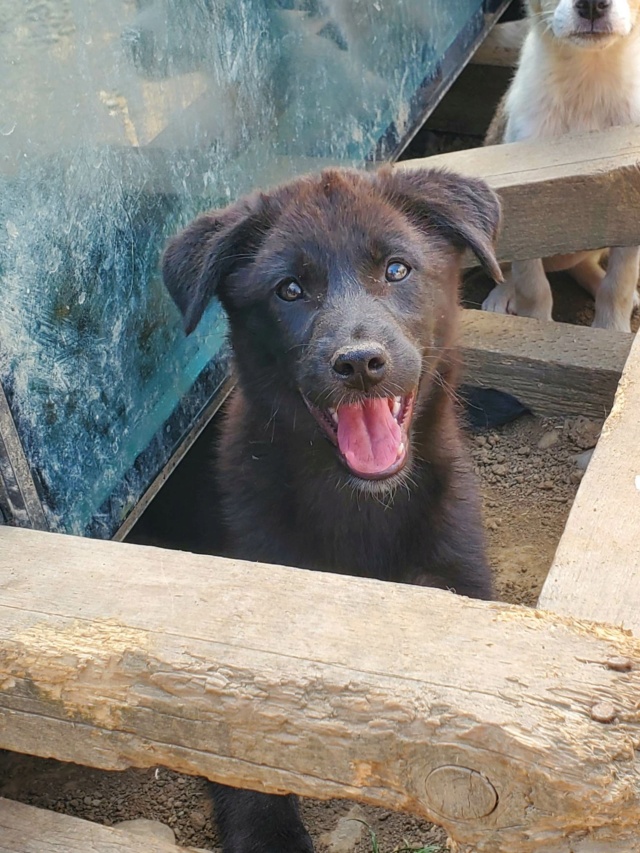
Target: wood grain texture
596, 569
553, 368
477, 716
25, 829
563, 195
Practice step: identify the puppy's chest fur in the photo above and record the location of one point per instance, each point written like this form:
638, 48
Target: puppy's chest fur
282, 505
559, 90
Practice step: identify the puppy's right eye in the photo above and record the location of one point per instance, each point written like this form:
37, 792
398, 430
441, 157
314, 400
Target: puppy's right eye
289, 290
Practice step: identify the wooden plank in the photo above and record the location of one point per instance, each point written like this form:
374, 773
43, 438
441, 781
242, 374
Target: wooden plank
562, 195
477, 715
596, 570
502, 45
25, 829
553, 368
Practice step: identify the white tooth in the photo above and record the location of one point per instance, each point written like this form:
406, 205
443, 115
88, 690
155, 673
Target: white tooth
401, 449
397, 405
334, 415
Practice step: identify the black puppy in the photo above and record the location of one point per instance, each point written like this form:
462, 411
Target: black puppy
341, 449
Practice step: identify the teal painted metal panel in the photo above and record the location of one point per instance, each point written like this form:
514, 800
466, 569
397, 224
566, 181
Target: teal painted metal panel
121, 120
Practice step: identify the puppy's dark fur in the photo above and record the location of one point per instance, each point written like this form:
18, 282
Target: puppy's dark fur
288, 495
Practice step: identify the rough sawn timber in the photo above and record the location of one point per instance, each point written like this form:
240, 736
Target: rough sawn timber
552, 368
596, 570
558, 195
25, 829
476, 715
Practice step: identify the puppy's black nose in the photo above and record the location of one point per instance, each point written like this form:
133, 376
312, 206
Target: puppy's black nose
362, 365
592, 9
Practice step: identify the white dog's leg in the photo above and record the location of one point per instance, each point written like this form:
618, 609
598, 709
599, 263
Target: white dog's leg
533, 292
590, 274
502, 298
615, 296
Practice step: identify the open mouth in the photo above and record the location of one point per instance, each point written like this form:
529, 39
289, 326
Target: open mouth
371, 434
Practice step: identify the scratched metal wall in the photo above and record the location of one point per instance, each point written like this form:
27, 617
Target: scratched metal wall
120, 121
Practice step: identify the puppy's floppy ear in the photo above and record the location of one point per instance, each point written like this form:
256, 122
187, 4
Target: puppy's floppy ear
464, 210
217, 244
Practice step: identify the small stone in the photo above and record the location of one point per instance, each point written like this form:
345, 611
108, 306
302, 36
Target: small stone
546, 485
582, 460
619, 664
499, 470
585, 433
549, 439
87, 801
576, 476
347, 832
603, 712
148, 829
197, 820
525, 450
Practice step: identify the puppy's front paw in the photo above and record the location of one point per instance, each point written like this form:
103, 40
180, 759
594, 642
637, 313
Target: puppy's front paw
501, 300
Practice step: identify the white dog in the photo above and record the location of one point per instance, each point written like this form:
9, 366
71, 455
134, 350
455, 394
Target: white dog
579, 71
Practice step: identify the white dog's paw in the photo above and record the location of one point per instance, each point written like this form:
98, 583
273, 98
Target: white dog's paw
501, 300
611, 321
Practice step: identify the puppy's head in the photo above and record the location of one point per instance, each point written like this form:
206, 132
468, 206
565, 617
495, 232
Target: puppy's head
591, 24
341, 294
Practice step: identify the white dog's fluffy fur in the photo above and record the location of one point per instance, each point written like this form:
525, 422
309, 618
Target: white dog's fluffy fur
575, 75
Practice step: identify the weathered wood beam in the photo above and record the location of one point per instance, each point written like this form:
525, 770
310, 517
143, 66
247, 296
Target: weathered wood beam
553, 368
502, 46
562, 195
596, 570
481, 717
25, 829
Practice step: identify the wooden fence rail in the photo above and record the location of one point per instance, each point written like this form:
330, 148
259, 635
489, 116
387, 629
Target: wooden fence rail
560, 195
596, 570
514, 729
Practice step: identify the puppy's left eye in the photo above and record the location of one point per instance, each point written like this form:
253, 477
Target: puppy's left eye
397, 271
289, 290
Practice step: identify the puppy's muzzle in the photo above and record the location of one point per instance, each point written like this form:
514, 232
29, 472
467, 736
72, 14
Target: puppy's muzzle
361, 366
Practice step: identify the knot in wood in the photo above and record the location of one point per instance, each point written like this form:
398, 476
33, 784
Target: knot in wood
619, 664
459, 793
603, 712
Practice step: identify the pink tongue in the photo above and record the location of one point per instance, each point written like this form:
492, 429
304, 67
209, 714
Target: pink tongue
368, 436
